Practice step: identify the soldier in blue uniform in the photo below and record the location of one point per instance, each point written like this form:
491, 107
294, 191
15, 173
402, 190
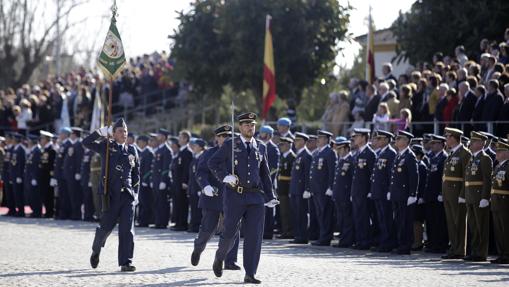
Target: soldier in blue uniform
341, 193
46, 166
299, 185
283, 128
17, 169
180, 178
63, 209
211, 203
321, 179
248, 189
160, 180
8, 183
32, 177
266, 133
193, 191
380, 180
361, 187
403, 191
123, 184
313, 230
72, 172
422, 168
146, 196
86, 184
434, 213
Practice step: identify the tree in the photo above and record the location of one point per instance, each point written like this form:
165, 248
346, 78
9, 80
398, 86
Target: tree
435, 25
221, 42
26, 37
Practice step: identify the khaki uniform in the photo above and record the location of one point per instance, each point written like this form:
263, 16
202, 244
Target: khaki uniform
452, 188
477, 187
500, 208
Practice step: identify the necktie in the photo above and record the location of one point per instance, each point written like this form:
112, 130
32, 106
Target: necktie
248, 147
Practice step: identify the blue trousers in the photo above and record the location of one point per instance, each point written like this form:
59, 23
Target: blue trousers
122, 211
345, 222
404, 222
300, 217
75, 197
145, 207
196, 213
208, 227
64, 202
162, 207
253, 218
313, 230
19, 198
361, 222
324, 212
385, 223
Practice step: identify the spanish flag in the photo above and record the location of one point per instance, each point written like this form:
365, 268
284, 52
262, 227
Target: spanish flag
370, 55
269, 72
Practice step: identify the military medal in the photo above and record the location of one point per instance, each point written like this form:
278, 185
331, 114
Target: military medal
399, 169
131, 160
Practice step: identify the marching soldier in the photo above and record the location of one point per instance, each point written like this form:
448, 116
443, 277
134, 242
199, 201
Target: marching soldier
248, 190
341, 194
8, 183
299, 185
453, 189
146, 197
361, 186
403, 191
122, 188
434, 212
32, 179
180, 177
47, 164
321, 180
380, 180
72, 172
477, 196
86, 185
17, 169
211, 203
283, 186
500, 202
193, 191
59, 180
160, 180
266, 134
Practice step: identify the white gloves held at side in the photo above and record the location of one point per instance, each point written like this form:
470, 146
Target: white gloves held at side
328, 192
411, 200
484, 203
272, 203
306, 195
162, 185
208, 190
230, 179
53, 182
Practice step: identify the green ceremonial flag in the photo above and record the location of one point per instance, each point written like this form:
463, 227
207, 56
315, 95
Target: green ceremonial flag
112, 58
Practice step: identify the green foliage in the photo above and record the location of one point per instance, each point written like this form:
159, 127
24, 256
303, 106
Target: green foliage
435, 25
221, 43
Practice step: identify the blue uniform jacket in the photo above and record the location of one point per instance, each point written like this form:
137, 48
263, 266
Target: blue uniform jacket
361, 179
205, 177
73, 159
433, 186
32, 170
161, 166
300, 173
192, 184
124, 165
146, 158
404, 176
85, 167
273, 155
343, 179
423, 174
380, 178
59, 161
252, 170
17, 167
180, 169
321, 175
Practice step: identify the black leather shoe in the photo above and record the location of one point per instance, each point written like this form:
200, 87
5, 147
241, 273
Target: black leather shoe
500, 260
195, 258
284, 236
342, 245
127, 268
468, 258
297, 241
232, 266
94, 260
251, 279
452, 256
217, 267
178, 228
320, 243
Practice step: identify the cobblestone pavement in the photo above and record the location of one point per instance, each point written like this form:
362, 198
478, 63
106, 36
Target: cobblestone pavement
41, 252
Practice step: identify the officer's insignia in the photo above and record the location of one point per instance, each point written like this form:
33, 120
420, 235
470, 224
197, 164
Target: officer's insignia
401, 162
345, 166
226, 128
236, 162
500, 177
320, 163
362, 163
257, 155
13, 162
180, 161
400, 169
251, 115
70, 151
131, 160
236, 150
343, 173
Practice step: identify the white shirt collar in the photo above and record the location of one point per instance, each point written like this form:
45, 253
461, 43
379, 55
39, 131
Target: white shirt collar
346, 156
287, 153
502, 162
197, 155
403, 151
362, 148
142, 149
47, 145
454, 149
252, 141
322, 148
303, 149
161, 145
476, 153
383, 149
183, 147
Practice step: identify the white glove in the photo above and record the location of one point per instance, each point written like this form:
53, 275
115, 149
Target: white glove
105, 131
144, 184
461, 200
230, 179
77, 176
369, 195
484, 203
306, 195
208, 190
411, 200
34, 182
199, 193
151, 185
388, 196
328, 192
440, 198
53, 182
184, 186
351, 199
272, 203
162, 185
18, 180
420, 201
89, 184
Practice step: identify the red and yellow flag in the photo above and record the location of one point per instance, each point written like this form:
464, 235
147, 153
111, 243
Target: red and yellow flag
370, 56
269, 72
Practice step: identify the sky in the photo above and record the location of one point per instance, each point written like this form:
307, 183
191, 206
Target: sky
144, 25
